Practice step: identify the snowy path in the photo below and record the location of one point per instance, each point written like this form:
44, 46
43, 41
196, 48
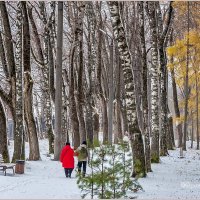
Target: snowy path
173, 178
42, 179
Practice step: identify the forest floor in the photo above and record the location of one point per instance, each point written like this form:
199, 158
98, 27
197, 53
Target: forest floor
173, 178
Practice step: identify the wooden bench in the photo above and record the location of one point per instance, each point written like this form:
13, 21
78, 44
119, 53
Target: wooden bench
5, 166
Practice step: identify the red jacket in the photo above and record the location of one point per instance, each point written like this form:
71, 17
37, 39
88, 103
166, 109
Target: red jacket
67, 157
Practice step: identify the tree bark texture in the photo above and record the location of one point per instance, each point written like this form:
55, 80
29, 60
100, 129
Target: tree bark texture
34, 153
151, 12
58, 98
144, 86
139, 168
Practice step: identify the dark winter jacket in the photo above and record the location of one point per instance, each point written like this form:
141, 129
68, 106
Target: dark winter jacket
67, 157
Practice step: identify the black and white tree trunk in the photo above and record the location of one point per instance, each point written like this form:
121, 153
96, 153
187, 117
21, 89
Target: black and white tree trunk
136, 139
151, 12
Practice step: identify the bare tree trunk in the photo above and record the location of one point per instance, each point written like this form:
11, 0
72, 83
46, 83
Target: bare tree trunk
111, 95
58, 97
51, 25
34, 153
139, 168
46, 90
80, 93
10, 100
72, 103
163, 76
38, 116
92, 65
105, 121
197, 108
96, 126
104, 94
19, 136
118, 102
144, 89
151, 12
186, 88
65, 136
3, 135
170, 135
176, 109
192, 135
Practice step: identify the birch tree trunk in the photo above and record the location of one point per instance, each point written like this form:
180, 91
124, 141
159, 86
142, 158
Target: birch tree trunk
58, 97
139, 168
34, 153
19, 136
151, 12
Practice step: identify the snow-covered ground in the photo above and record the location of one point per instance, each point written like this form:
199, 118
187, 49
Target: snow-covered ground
42, 179
173, 178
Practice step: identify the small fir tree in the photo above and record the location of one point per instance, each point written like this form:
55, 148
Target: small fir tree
110, 173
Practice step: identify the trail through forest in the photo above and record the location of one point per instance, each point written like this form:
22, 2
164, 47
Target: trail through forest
172, 178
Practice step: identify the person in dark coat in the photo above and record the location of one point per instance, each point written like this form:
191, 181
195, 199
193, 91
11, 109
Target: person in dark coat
67, 159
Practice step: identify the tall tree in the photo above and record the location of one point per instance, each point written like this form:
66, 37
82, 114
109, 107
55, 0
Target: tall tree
80, 98
7, 54
58, 98
144, 88
139, 168
34, 153
162, 36
151, 12
19, 135
186, 84
45, 85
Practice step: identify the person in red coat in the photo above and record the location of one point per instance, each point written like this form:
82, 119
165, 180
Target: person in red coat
67, 159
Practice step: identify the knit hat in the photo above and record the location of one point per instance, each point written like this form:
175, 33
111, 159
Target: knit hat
68, 143
84, 142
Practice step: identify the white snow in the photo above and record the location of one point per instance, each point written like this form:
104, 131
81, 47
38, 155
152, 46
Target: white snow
173, 178
42, 179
